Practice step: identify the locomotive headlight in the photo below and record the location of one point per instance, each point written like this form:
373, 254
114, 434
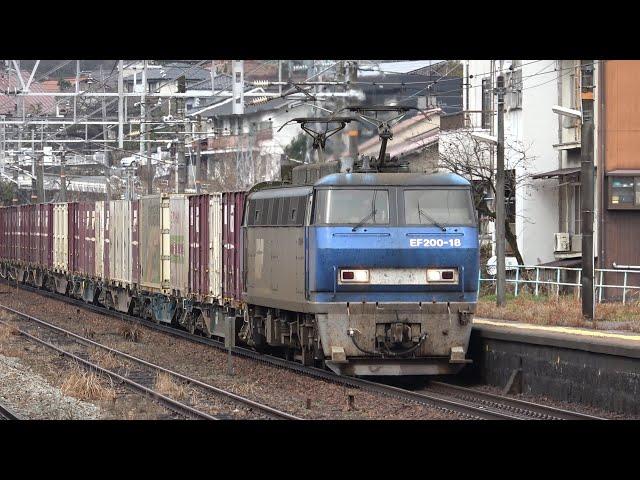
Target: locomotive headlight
354, 276
442, 275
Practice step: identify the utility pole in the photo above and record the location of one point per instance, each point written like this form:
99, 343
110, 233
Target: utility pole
120, 105
63, 178
143, 116
500, 210
34, 182
352, 128
40, 179
182, 164
587, 195
198, 130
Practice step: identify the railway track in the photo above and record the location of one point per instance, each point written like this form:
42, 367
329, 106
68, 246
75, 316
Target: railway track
139, 375
467, 403
7, 414
518, 409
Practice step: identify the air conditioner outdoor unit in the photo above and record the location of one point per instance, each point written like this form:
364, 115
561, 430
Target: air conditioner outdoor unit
576, 243
561, 242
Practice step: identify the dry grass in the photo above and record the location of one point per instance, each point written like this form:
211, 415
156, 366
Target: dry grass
105, 359
85, 385
132, 332
166, 385
6, 331
561, 311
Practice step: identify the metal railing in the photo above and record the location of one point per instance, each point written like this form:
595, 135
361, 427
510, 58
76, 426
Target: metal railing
552, 279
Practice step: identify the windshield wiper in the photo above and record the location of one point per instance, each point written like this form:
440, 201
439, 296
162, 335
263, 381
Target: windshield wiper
372, 213
430, 218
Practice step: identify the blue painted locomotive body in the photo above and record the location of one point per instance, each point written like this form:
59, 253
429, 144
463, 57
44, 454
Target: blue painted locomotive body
392, 295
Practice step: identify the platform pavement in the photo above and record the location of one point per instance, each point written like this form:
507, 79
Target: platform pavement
600, 341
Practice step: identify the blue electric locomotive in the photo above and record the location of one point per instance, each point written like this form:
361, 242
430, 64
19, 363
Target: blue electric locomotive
369, 273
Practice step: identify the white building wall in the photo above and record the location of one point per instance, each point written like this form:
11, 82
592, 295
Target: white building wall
534, 127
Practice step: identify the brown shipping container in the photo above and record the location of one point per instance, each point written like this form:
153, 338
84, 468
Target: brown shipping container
82, 238
198, 245
233, 209
205, 247
44, 231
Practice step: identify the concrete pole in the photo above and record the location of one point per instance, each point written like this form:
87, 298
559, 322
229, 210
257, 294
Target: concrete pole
63, 178
143, 111
75, 98
120, 105
180, 113
34, 182
352, 128
198, 130
587, 196
500, 210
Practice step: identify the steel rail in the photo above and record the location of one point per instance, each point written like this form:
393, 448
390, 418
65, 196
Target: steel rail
519, 407
173, 405
449, 403
275, 413
8, 414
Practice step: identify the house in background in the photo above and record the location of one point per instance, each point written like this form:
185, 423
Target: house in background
617, 137
542, 150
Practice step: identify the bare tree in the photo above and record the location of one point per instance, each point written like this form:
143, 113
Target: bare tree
460, 153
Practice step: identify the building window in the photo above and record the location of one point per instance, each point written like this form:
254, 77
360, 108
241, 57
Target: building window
486, 103
513, 82
624, 192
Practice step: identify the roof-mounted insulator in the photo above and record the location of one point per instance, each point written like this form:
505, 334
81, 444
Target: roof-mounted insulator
259, 101
260, 83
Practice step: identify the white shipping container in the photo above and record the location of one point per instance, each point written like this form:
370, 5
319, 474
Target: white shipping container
120, 241
215, 246
179, 243
61, 237
155, 266
99, 232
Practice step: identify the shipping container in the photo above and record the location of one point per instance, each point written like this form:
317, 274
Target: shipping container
154, 234
179, 244
100, 239
135, 241
83, 248
119, 224
61, 237
72, 220
205, 247
24, 233
44, 225
233, 209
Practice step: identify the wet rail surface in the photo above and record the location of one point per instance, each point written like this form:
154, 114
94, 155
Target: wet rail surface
466, 403
142, 377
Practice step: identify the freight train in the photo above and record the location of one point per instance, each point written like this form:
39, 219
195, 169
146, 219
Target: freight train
365, 273
363, 267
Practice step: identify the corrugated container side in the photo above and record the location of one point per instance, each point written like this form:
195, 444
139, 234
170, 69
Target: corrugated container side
99, 243
74, 236
107, 242
233, 209
179, 243
215, 245
155, 271
120, 241
61, 236
3, 231
45, 229
198, 245
85, 246
135, 241
32, 233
